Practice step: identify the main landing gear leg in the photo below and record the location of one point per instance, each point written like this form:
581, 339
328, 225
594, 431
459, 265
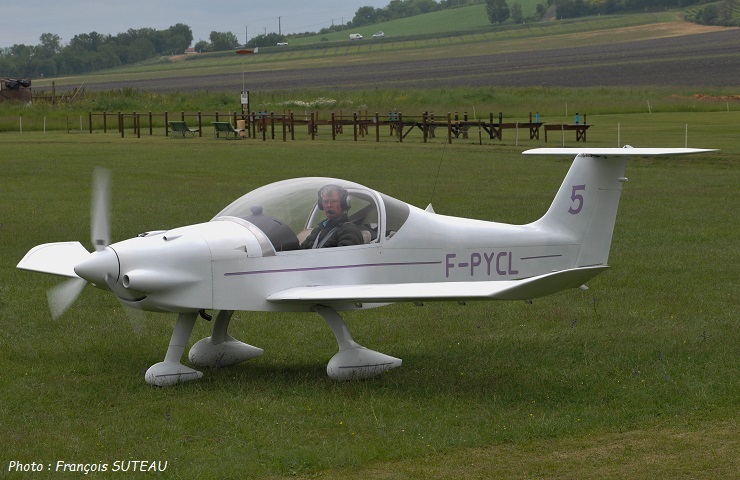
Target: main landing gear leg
171, 371
221, 349
353, 361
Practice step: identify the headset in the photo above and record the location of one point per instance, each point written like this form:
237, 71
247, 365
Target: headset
344, 200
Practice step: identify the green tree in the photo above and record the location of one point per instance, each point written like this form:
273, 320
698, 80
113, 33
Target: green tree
726, 12
268, 40
365, 16
517, 15
178, 37
709, 15
497, 10
202, 46
51, 44
223, 41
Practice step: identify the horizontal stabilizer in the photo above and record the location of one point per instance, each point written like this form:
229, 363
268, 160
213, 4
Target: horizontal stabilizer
523, 289
55, 258
616, 152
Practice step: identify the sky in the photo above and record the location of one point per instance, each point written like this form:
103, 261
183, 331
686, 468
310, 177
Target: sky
24, 22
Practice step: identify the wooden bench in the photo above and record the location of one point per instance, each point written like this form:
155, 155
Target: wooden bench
180, 129
227, 129
580, 129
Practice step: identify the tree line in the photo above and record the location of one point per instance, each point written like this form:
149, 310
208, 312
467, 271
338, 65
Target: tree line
87, 52
499, 12
580, 8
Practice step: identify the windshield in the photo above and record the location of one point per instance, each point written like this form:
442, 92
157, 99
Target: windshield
287, 210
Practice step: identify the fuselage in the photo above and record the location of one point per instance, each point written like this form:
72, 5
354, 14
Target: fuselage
230, 264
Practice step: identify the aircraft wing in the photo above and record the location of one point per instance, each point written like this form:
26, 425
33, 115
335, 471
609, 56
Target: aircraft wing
613, 152
524, 289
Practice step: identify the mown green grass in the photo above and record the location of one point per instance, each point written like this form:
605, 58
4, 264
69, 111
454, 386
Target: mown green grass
635, 377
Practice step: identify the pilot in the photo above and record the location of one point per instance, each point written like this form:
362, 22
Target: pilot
336, 230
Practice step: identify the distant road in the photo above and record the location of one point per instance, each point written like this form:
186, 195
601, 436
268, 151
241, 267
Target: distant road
700, 60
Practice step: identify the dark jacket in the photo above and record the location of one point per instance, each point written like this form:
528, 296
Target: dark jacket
341, 234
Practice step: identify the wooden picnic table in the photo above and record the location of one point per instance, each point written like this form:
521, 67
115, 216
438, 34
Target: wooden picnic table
580, 129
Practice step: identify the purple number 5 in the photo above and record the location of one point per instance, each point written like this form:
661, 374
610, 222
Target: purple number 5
577, 199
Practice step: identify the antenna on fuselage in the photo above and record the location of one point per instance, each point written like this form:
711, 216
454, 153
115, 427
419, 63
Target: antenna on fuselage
436, 179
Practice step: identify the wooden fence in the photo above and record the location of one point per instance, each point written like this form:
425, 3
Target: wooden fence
361, 124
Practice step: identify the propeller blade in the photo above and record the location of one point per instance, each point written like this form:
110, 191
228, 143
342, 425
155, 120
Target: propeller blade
137, 319
63, 296
135, 316
100, 210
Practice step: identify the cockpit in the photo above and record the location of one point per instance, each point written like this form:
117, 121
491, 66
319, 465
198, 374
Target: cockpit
286, 211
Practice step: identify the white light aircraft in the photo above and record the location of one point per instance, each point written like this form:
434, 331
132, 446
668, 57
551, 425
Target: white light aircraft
247, 258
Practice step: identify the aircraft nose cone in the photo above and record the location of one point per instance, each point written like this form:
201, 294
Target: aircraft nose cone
98, 266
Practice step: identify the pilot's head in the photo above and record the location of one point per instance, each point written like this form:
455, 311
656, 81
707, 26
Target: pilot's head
333, 200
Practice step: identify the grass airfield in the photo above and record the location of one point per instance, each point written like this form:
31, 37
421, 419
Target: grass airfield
636, 377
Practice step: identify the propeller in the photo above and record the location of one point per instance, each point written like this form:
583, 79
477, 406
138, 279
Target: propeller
71, 259
101, 238
64, 295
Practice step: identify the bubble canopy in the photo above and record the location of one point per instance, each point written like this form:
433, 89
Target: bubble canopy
287, 209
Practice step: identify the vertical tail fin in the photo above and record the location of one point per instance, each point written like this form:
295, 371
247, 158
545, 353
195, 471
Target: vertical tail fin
585, 207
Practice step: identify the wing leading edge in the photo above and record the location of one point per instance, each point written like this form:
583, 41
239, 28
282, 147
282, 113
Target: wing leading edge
617, 152
523, 289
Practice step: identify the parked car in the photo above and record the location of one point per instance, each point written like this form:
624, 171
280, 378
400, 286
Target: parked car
379, 34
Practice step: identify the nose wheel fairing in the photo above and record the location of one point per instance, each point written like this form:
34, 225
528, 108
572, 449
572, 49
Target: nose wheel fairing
171, 371
221, 349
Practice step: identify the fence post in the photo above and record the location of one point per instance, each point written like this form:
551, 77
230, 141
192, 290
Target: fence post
424, 126
311, 127
253, 125
449, 128
400, 127
354, 125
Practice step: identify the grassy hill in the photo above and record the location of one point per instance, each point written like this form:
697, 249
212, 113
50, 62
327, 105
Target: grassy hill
444, 22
